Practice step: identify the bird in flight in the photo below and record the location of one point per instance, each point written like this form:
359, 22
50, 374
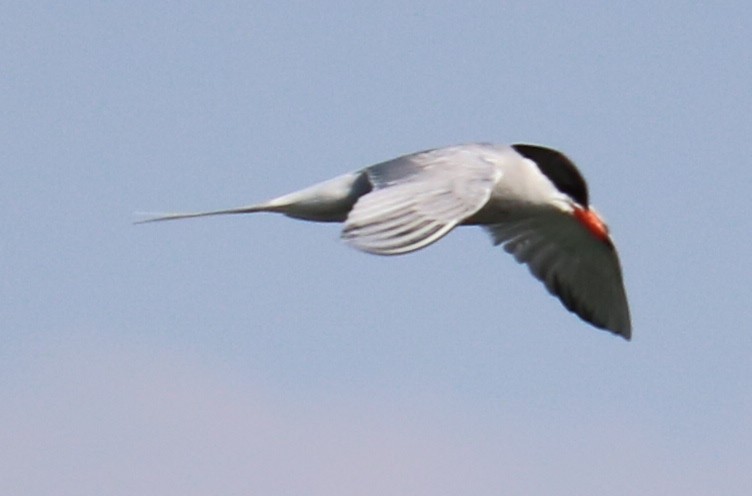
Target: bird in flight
532, 200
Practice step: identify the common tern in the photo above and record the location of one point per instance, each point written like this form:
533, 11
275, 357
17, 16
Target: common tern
531, 199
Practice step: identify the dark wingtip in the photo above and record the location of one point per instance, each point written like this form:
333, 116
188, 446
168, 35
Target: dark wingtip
623, 330
624, 333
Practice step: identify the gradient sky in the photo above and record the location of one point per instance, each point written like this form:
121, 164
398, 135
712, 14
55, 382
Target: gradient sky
260, 355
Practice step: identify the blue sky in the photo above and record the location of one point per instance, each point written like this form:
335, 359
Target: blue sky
259, 355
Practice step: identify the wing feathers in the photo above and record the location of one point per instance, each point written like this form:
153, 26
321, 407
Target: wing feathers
416, 201
392, 222
581, 270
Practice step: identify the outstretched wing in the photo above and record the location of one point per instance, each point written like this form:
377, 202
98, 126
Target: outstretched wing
417, 199
580, 269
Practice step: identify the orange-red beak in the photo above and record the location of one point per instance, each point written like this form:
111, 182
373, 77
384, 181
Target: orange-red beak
592, 222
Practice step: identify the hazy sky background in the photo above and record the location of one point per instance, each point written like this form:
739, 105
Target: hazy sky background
259, 355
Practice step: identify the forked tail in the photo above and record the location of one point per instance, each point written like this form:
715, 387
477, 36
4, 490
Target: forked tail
189, 215
329, 201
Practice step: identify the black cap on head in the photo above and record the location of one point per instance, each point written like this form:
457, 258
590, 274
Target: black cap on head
558, 169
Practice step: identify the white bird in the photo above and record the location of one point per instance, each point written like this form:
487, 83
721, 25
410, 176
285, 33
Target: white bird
531, 199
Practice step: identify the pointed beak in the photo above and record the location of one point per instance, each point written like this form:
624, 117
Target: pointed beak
593, 222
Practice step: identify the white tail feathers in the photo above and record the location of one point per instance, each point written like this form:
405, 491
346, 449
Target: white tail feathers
329, 201
189, 215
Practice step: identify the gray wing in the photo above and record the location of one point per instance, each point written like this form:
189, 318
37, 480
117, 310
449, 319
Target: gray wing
418, 199
581, 270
